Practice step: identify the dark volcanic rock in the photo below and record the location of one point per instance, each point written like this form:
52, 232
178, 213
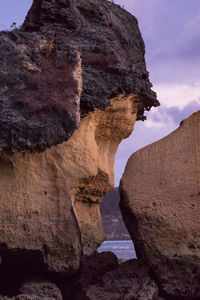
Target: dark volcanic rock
112, 221
40, 75
131, 280
37, 290
40, 89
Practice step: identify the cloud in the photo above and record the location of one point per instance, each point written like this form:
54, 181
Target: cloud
167, 116
178, 95
172, 37
161, 122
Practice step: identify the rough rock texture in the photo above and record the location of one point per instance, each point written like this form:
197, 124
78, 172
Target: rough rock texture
160, 202
99, 277
37, 290
131, 280
91, 272
41, 74
40, 89
49, 201
112, 221
73, 81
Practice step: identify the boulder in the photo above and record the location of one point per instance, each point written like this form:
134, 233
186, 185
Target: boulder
37, 290
131, 280
160, 202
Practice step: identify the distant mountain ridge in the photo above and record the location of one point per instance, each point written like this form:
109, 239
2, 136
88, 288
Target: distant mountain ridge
112, 220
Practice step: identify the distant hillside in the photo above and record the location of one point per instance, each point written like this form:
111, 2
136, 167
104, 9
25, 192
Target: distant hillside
112, 221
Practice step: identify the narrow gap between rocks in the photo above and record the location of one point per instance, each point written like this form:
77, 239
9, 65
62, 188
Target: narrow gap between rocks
118, 239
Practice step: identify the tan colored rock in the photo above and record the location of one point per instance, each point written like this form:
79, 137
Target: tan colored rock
49, 201
160, 202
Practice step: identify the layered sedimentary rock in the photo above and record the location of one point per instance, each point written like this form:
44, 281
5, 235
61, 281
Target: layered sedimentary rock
160, 202
73, 78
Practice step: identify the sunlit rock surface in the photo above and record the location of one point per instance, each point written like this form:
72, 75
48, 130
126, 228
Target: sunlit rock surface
160, 202
73, 81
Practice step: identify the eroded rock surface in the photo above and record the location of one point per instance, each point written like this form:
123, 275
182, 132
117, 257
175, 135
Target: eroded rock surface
41, 74
70, 59
49, 201
131, 280
37, 290
160, 202
101, 277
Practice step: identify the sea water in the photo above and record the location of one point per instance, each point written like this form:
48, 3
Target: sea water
123, 249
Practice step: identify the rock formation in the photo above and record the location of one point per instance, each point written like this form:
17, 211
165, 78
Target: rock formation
160, 202
130, 280
37, 290
41, 74
73, 81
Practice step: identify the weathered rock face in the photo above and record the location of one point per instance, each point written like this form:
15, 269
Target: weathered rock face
131, 280
49, 200
37, 290
41, 74
160, 202
70, 59
40, 89
100, 276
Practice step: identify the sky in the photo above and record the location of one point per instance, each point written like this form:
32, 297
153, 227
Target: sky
171, 32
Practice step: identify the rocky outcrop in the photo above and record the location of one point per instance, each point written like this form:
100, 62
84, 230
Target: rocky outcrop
62, 46
37, 290
131, 280
49, 200
73, 78
112, 221
160, 202
99, 277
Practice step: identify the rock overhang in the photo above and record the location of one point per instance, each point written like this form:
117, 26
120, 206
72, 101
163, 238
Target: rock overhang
69, 58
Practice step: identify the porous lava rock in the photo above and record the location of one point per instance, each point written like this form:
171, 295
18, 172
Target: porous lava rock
62, 46
131, 280
37, 290
160, 202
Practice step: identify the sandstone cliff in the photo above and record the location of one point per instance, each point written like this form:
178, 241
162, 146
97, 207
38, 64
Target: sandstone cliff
73, 82
160, 202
